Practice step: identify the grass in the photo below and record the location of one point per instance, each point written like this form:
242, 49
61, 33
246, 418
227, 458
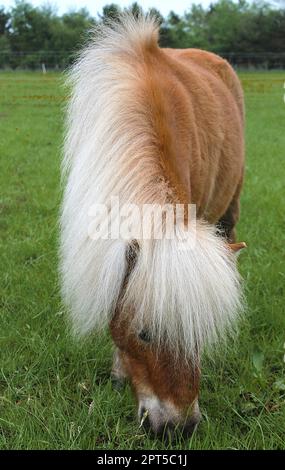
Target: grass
55, 394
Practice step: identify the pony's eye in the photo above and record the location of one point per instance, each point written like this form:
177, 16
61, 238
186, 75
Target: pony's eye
145, 336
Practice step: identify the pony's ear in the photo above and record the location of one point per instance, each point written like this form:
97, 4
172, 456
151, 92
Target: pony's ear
237, 247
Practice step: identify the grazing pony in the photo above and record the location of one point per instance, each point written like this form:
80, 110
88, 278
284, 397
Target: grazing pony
153, 126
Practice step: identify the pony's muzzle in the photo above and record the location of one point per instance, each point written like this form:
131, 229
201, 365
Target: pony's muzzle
162, 420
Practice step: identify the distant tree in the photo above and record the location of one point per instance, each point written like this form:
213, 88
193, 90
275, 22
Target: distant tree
30, 31
111, 11
30, 27
174, 19
177, 32
166, 38
264, 31
135, 9
39, 35
70, 32
5, 18
156, 14
76, 26
196, 26
224, 21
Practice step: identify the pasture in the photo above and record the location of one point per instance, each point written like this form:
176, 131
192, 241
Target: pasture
57, 394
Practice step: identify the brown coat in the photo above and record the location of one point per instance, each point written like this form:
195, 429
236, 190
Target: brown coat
196, 106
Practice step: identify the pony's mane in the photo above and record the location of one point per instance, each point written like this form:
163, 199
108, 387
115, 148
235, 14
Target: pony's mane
108, 115
187, 298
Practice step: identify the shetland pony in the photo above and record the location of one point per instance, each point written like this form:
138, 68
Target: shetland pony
153, 126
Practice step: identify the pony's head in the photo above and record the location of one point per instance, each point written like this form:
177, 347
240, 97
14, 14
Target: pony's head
166, 387
164, 375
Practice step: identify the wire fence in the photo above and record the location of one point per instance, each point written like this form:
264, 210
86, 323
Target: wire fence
59, 60
256, 60
33, 60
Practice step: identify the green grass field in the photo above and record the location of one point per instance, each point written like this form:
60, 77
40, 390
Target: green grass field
56, 394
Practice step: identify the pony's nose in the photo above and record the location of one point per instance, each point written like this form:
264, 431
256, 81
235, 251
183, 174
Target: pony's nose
190, 425
166, 429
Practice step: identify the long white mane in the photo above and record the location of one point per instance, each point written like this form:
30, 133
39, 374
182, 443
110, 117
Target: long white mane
187, 298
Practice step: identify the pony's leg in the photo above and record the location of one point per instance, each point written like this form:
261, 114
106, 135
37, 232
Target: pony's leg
118, 373
230, 218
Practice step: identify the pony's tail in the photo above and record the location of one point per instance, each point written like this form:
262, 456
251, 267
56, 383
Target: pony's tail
185, 294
